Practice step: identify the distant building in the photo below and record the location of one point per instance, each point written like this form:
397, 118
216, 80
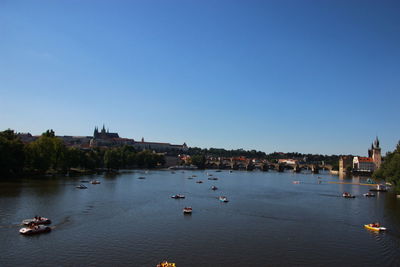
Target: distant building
370, 163
288, 161
103, 134
345, 164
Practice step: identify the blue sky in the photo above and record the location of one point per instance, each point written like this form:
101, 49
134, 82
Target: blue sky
306, 76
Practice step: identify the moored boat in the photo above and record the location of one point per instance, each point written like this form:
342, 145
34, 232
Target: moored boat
187, 210
347, 195
374, 227
81, 186
95, 182
34, 229
379, 188
36, 221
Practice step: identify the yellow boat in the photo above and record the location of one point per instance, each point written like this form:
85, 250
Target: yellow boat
166, 264
374, 228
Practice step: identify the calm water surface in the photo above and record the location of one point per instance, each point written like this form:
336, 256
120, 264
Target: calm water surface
269, 221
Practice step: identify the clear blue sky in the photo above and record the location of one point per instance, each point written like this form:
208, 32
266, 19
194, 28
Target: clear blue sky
306, 76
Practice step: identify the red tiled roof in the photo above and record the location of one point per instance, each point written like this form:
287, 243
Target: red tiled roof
365, 159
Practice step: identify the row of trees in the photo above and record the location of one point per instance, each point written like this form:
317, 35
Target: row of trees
49, 154
273, 157
390, 169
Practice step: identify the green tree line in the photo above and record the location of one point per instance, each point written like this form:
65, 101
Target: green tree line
390, 169
49, 154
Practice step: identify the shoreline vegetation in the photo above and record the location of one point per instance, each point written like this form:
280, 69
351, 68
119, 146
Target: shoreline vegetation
48, 155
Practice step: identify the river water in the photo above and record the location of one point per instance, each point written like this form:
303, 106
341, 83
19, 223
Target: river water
268, 221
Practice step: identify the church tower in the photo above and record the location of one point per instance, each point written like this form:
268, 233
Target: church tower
376, 154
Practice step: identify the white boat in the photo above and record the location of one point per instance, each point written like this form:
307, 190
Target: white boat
95, 182
214, 187
187, 210
36, 221
369, 194
81, 186
347, 195
379, 188
36, 229
223, 199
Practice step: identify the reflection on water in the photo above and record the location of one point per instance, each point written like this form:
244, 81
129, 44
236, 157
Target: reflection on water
268, 221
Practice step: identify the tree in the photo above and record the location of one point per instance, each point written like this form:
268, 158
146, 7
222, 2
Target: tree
12, 154
390, 169
199, 161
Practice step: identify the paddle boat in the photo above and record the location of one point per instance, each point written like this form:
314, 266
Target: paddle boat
81, 186
187, 210
199, 182
369, 194
34, 229
178, 196
166, 264
379, 188
95, 182
141, 177
375, 227
347, 195
296, 182
213, 178
223, 199
214, 187
36, 221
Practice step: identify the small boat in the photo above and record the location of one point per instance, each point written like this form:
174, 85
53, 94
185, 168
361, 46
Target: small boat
84, 181
379, 188
375, 227
81, 186
369, 194
34, 229
347, 195
141, 177
209, 174
187, 210
173, 172
190, 178
296, 182
178, 196
95, 182
194, 175
199, 182
213, 178
223, 199
214, 187
166, 264
36, 221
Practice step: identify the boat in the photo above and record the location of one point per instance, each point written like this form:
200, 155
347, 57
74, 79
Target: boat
194, 175
347, 195
190, 178
187, 210
213, 178
166, 264
84, 181
223, 199
141, 177
369, 194
177, 196
374, 227
95, 182
81, 186
36, 221
214, 187
199, 182
34, 229
379, 188
296, 182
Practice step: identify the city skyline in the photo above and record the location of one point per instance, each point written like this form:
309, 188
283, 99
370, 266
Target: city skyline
309, 77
